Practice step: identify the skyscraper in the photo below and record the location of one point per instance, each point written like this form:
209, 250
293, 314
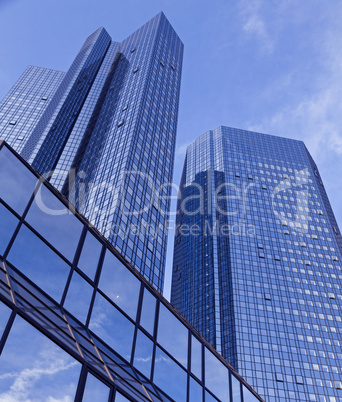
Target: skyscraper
257, 262
78, 322
104, 134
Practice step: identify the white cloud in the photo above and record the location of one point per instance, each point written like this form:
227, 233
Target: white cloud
254, 25
25, 381
181, 149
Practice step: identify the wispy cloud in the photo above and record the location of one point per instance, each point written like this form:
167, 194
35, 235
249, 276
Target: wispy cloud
254, 25
315, 115
25, 381
181, 149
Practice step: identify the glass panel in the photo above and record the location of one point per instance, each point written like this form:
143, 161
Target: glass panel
16, 181
196, 391
5, 313
216, 376
120, 284
112, 327
196, 357
172, 335
235, 389
148, 311
174, 383
38, 262
55, 222
78, 297
210, 398
120, 398
95, 390
34, 368
247, 395
143, 354
7, 227
90, 255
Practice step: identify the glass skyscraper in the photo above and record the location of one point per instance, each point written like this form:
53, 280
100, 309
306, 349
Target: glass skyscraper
104, 135
78, 322
257, 262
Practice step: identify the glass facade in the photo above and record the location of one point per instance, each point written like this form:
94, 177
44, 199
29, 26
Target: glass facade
78, 322
106, 139
257, 263
25, 103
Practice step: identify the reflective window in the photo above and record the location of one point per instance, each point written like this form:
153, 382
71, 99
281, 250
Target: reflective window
120, 284
174, 383
235, 389
196, 357
78, 297
172, 335
148, 311
247, 395
90, 255
143, 354
5, 313
95, 390
39, 263
33, 368
120, 398
216, 376
195, 392
210, 398
7, 227
16, 181
112, 326
55, 222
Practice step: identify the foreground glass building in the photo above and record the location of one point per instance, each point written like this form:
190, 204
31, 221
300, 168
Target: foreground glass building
257, 263
78, 322
104, 135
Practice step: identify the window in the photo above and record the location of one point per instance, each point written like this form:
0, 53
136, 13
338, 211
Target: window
279, 377
41, 366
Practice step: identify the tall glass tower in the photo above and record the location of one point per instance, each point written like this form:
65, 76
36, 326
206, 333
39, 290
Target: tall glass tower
257, 262
104, 135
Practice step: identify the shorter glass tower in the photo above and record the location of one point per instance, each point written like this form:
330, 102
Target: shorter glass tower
78, 322
257, 262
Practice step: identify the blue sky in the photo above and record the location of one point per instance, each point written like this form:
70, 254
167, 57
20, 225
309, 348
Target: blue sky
265, 65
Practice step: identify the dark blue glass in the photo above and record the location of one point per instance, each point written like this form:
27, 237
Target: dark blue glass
7, 227
39, 263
